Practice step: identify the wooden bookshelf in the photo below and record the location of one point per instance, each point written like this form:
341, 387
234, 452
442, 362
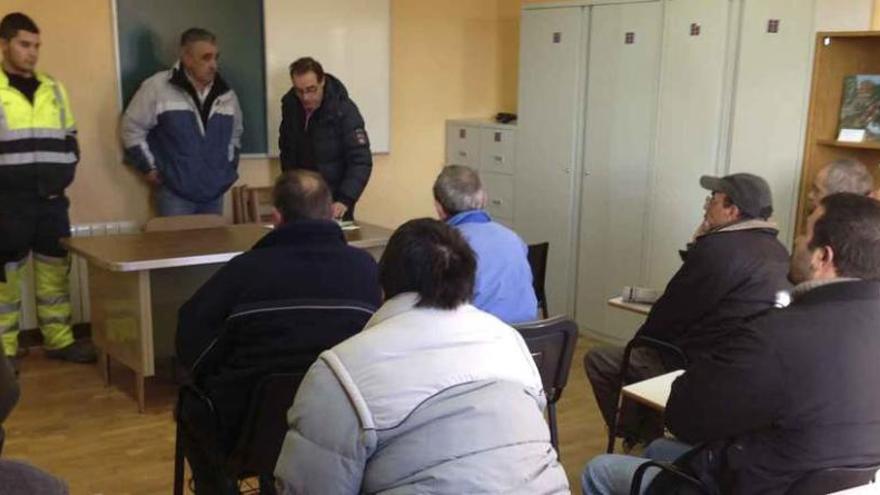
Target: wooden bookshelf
837, 55
867, 145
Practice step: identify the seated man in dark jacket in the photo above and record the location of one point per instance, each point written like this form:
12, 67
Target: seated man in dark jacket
301, 290
732, 270
793, 390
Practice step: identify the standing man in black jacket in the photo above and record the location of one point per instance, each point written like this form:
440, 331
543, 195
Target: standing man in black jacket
300, 290
322, 130
793, 390
732, 270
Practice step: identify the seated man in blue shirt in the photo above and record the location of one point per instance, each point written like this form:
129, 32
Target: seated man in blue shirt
504, 277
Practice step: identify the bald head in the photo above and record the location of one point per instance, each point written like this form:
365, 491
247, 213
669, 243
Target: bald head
849, 176
302, 194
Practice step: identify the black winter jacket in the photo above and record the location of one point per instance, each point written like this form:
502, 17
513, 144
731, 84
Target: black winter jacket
792, 392
298, 292
335, 142
727, 276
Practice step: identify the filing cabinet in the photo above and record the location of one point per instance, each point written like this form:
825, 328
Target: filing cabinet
489, 148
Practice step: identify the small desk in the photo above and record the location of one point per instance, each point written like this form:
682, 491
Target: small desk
137, 283
653, 392
639, 308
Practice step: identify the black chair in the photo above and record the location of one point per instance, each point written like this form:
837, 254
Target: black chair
678, 360
552, 344
819, 482
262, 435
538, 262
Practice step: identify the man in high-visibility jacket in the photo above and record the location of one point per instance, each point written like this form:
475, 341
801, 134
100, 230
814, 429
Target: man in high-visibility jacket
38, 156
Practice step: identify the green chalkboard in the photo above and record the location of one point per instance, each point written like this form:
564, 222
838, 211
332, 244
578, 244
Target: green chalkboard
148, 34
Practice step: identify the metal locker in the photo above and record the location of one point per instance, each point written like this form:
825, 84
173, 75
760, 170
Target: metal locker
618, 142
551, 80
690, 112
770, 103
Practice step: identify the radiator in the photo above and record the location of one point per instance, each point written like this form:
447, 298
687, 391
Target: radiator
79, 280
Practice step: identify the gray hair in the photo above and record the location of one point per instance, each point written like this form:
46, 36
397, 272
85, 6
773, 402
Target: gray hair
847, 175
195, 34
458, 188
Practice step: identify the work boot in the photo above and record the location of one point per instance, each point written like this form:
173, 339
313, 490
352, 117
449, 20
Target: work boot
80, 351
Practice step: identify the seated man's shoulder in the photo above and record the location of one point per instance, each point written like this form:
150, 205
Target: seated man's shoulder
501, 233
742, 244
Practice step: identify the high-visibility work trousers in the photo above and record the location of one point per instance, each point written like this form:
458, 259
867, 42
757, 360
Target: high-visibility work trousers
35, 225
53, 302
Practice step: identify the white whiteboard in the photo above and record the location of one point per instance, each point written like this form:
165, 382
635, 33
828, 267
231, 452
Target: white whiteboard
351, 39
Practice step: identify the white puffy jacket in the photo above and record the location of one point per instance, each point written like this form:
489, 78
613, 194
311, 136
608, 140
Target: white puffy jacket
422, 401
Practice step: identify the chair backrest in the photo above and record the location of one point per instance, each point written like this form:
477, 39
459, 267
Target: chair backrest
825, 481
259, 204
263, 434
552, 344
538, 262
185, 222
239, 204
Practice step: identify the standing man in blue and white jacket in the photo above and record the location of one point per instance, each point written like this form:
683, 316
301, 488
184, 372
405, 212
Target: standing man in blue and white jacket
182, 130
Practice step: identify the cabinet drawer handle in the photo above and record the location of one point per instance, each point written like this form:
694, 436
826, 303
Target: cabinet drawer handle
497, 202
498, 158
462, 153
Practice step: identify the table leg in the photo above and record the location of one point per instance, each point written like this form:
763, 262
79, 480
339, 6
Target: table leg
139, 391
104, 364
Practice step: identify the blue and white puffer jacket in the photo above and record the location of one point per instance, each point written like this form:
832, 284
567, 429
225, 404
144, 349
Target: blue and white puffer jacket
162, 129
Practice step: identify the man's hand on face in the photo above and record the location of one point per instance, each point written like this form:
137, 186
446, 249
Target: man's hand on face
339, 210
702, 229
152, 178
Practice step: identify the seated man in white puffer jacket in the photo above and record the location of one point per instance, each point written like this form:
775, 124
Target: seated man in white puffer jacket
434, 396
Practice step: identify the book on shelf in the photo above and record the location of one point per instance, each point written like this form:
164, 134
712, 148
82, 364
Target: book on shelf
860, 108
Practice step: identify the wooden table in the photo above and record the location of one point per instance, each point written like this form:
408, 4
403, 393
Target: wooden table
639, 308
653, 392
137, 283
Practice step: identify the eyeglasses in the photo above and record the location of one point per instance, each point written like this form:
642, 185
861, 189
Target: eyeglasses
307, 91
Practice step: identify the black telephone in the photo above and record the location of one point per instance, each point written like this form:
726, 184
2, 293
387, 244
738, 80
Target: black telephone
505, 118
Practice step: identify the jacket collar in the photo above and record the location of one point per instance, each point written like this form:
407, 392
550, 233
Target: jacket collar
750, 224
397, 305
43, 78
839, 289
469, 216
178, 78
303, 233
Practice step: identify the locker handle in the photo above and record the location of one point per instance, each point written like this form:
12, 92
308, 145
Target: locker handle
462, 153
497, 202
498, 158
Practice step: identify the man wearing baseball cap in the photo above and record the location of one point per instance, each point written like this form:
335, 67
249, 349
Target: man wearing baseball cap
732, 270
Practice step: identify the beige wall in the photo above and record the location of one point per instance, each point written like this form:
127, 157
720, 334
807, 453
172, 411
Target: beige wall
455, 58
456, 61
876, 23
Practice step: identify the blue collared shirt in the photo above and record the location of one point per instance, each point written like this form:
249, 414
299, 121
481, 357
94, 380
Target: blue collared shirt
504, 277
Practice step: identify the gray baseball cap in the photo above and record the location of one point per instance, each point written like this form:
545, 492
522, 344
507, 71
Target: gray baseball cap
750, 193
